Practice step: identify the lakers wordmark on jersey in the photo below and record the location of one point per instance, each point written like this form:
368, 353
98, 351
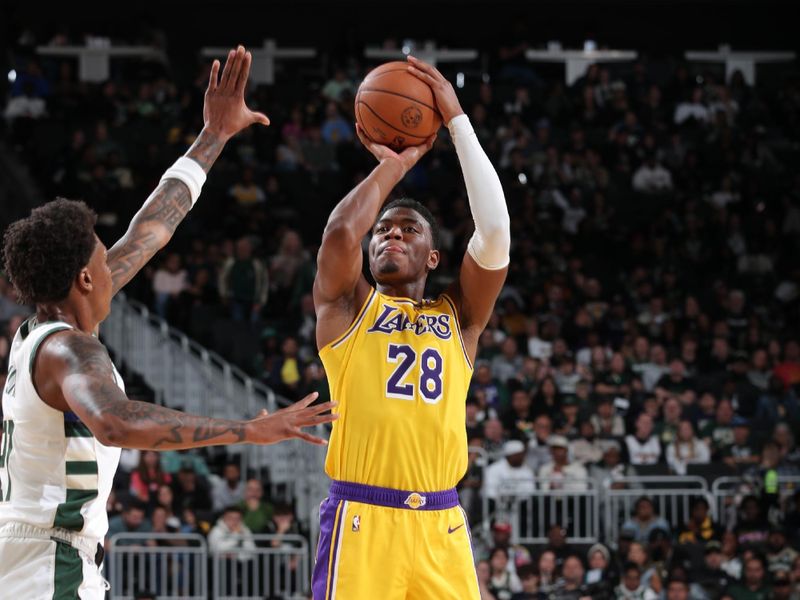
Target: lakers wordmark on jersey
400, 374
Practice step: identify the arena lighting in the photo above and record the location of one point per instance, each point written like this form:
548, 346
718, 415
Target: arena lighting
408, 47
459, 80
523, 179
589, 46
12, 76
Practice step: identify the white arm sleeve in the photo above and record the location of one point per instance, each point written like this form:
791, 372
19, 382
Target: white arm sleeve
490, 243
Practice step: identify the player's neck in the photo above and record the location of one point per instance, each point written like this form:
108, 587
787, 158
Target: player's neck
78, 316
414, 290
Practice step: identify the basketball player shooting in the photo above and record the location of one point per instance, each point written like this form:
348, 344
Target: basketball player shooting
64, 407
400, 366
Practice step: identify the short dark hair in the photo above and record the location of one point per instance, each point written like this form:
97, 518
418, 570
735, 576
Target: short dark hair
135, 504
44, 252
423, 212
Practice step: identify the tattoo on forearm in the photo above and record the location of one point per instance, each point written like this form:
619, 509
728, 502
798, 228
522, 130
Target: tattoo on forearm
206, 149
153, 226
156, 426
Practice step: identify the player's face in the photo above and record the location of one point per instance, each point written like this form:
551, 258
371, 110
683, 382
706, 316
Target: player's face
401, 248
101, 280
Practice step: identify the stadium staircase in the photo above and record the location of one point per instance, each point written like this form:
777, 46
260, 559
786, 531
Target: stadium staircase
186, 376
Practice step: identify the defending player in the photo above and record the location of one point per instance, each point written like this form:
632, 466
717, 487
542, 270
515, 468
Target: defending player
400, 366
64, 407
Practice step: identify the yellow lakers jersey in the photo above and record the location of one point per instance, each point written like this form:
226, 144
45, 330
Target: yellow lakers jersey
400, 374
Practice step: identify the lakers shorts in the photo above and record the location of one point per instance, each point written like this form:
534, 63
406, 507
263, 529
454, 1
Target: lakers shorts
393, 545
48, 564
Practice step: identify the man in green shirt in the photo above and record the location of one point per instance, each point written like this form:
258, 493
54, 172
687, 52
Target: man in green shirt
257, 512
753, 587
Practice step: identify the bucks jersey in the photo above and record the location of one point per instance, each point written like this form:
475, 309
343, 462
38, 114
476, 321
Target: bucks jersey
400, 374
53, 472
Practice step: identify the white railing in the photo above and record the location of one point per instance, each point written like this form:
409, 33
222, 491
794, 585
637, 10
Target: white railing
257, 569
672, 497
576, 509
171, 566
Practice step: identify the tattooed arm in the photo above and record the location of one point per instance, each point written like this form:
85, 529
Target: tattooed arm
73, 373
224, 114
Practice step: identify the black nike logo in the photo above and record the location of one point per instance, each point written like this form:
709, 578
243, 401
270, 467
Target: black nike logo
452, 529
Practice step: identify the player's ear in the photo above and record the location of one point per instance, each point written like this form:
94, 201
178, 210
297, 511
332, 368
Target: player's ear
433, 260
84, 281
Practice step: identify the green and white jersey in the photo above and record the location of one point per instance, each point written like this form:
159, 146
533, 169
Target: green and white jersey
53, 472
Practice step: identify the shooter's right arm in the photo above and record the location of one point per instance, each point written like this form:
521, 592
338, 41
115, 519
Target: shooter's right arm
73, 372
339, 287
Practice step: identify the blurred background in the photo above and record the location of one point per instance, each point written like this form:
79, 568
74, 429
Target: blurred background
633, 413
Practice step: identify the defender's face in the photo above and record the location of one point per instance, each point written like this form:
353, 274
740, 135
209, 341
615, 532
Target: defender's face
401, 248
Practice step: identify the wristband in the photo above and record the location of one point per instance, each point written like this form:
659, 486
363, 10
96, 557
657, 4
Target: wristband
189, 172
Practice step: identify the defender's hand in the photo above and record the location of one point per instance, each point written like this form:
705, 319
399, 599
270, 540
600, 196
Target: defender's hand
446, 99
288, 422
407, 158
224, 110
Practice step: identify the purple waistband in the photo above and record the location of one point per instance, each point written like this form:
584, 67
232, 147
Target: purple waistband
370, 494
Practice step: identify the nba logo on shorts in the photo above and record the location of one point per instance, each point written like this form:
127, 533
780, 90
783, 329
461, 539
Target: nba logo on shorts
356, 523
415, 500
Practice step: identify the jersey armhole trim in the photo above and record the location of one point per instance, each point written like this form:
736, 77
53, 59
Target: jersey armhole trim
38, 343
354, 325
458, 330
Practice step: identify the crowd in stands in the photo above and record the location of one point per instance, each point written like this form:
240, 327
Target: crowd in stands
649, 324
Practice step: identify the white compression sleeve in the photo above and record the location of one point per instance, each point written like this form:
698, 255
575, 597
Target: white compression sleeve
491, 242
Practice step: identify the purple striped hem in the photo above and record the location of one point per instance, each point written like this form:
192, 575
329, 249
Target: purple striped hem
369, 494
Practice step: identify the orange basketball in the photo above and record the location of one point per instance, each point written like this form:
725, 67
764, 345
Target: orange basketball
395, 108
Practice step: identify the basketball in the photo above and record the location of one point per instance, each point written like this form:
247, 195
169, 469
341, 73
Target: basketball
395, 108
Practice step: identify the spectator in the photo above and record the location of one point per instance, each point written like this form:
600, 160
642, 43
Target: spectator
503, 583
643, 446
719, 433
741, 454
570, 585
529, 579
700, 529
337, 86
227, 490
255, 510
191, 490
246, 192
606, 422
484, 574
547, 566
652, 177
169, 282
560, 474
148, 478
687, 449
780, 555
630, 588
518, 419
132, 520
587, 449
510, 476
611, 467
243, 283
231, 537
644, 520
335, 130
752, 526
754, 585
710, 576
